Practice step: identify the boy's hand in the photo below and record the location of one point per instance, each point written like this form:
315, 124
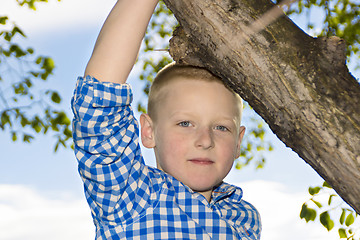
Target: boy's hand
118, 43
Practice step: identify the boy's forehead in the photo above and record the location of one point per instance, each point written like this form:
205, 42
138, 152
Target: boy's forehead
187, 88
179, 80
174, 83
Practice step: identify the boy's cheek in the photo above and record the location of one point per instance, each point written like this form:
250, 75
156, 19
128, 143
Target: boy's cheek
175, 145
170, 145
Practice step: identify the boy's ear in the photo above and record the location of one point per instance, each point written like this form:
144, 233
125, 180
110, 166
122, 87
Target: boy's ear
241, 135
147, 131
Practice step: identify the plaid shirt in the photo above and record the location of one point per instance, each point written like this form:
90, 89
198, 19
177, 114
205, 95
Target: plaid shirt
130, 200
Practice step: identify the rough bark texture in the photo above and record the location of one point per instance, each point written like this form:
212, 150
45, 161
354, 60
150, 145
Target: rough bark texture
298, 84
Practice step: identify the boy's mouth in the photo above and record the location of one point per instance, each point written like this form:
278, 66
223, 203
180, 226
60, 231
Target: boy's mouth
201, 161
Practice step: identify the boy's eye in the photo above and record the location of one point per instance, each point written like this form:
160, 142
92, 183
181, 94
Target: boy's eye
222, 128
184, 124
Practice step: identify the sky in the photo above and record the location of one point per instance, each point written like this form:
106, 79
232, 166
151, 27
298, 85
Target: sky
41, 194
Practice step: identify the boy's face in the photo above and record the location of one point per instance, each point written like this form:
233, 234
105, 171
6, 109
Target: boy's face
196, 136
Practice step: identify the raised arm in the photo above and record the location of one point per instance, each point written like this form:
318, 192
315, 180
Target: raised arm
118, 43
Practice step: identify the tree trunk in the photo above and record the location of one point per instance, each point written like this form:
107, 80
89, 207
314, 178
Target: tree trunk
298, 84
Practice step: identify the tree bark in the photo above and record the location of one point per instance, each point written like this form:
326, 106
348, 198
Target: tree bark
298, 84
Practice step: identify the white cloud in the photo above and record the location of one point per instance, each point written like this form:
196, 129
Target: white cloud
61, 15
28, 214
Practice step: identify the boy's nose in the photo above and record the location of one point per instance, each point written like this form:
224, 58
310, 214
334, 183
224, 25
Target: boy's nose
204, 138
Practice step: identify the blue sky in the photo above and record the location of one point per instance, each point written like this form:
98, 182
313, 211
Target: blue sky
41, 195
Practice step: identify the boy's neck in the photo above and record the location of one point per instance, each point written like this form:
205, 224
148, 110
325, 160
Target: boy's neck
207, 195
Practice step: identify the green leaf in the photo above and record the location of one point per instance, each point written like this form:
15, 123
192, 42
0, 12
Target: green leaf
271, 148
44, 75
326, 220
141, 108
342, 233
5, 119
35, 74
48, 64
13, 136
314, 190
325, 184
38, 60
63, 119
67, 132
7, 36
55, 97
260, 164
3, 20
349, 220
239, 166
259, 133
317, 203
330, 198
30, 50
260, 148
342, 217
28, 82
60, 120
19, 89
27, 138
17, 30
24, 121
308, 214
17, 50
36, 125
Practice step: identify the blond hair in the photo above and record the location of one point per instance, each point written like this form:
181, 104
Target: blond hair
173, 72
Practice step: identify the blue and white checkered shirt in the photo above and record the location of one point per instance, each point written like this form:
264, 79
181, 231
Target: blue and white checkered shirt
130, 200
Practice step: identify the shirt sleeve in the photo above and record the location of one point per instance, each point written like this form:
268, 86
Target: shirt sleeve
252, 225
106, 146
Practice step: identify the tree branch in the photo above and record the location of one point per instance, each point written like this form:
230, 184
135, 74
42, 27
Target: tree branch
298, 84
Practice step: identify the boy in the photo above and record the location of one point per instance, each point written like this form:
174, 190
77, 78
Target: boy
193, 125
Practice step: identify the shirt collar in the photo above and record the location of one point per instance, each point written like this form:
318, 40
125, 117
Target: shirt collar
225, 190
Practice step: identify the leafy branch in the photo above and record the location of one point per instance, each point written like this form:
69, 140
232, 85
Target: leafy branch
330, 206
25, 108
